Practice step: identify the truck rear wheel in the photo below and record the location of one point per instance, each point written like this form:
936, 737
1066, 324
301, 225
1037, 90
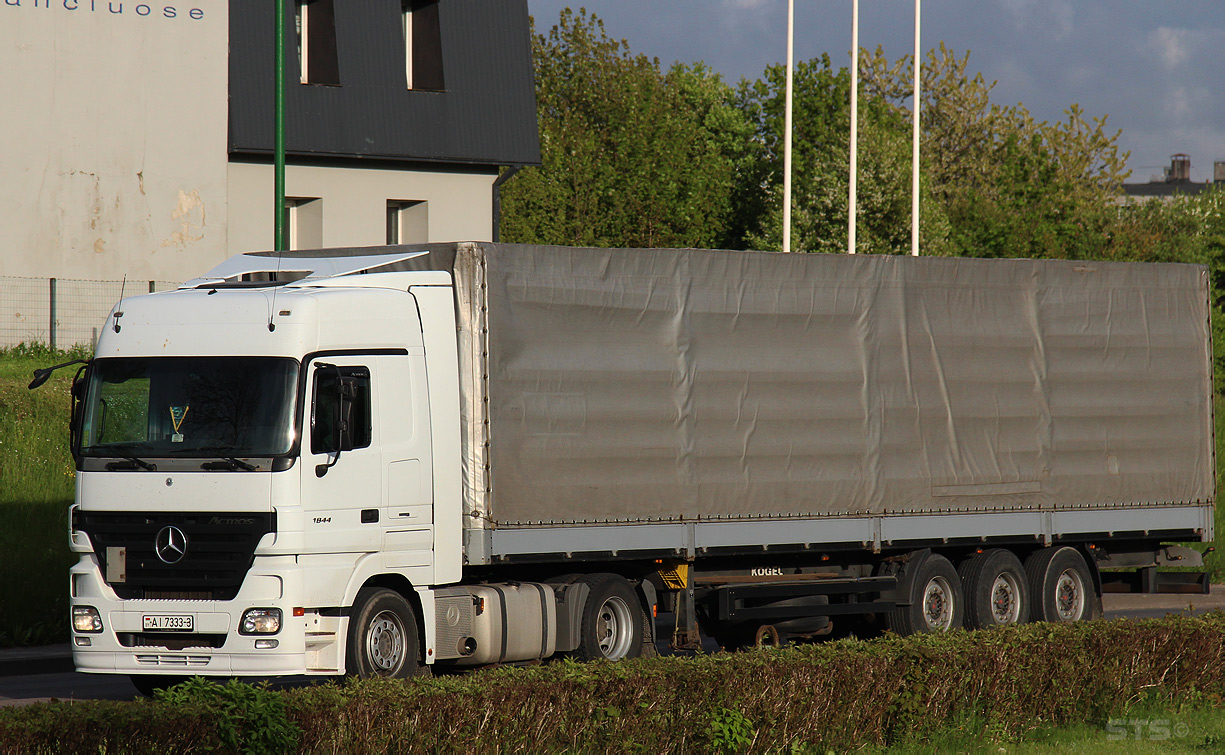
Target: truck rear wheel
1061, 586
937, 602
613, 620
382, 636
997, 591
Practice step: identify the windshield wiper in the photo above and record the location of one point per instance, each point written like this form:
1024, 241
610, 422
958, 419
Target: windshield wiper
228, 463
130, 463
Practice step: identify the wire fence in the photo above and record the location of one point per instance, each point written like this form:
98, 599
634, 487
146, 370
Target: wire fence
61, 312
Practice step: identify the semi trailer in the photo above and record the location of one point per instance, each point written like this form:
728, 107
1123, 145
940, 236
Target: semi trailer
374, 461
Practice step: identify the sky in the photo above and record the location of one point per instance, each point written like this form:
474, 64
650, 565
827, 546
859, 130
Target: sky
1155, 67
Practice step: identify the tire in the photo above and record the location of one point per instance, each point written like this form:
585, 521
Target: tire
147, 684
1060, 586
937, 602
383, 637
613, 620
996, 588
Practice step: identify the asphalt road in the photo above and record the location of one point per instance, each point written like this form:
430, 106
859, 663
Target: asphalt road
21, 684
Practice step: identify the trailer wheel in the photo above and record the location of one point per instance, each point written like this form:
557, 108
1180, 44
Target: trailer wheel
937, 602
1061, 586
997, 590
613, 620
382, 636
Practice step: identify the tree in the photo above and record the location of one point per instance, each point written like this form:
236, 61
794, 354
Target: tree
631, 156
1011, 186
820, 167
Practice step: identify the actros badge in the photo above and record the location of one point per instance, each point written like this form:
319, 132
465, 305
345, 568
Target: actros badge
170, 544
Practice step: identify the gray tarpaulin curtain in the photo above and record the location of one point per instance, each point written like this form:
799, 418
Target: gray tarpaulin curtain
606, 385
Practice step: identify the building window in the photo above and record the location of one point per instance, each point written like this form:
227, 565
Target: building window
315, 23
304, 222
422, 45
407, 222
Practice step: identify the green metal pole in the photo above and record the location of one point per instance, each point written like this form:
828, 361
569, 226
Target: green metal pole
278, 148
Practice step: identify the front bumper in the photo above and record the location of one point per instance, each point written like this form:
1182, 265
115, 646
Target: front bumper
309, 644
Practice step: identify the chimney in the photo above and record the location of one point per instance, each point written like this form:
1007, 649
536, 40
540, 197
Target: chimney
1218, 171
1180, 168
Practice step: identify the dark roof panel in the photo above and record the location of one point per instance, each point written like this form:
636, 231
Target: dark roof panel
486, 115
1164, 189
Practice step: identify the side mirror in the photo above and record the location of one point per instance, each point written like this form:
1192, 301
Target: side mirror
42, 375
342, 419
77, 394
346, 390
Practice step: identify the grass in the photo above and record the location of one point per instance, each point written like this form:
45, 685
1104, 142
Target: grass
1186, 726
35, 463
36, 487
1215, 561
35, 559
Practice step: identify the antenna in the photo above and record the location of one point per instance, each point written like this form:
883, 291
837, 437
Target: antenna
119, 312
276, 280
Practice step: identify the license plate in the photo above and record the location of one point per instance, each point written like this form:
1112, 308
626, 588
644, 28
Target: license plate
161, 623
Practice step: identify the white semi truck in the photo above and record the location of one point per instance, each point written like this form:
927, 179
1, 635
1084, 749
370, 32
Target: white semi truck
376, 461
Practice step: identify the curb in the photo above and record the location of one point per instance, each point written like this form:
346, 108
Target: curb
51, 659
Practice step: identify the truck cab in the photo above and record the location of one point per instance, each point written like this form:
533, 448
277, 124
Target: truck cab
257, 459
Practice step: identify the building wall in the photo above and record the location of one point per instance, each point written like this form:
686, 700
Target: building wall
113, 138
117, 126
352, 204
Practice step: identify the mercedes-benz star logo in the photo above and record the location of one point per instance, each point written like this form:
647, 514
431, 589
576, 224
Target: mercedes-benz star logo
170, 544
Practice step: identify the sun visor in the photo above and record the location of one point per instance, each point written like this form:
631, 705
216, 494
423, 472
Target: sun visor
252, 266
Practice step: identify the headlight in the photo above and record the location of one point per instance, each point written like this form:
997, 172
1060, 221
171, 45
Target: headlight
86, 619
260, 621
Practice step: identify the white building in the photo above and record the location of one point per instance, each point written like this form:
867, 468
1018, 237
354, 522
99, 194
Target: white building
136, 138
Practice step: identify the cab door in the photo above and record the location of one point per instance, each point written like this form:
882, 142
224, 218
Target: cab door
342, 469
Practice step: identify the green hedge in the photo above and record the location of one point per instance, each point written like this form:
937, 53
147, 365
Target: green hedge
1008, 682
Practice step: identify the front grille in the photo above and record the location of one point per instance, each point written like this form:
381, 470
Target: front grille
180, 595
219, 550
169, 641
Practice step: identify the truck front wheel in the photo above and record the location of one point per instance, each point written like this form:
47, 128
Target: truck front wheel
612, 620
382, 636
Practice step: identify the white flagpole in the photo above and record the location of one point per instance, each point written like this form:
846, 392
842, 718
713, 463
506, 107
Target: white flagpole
914, 168
787, 129
852, 203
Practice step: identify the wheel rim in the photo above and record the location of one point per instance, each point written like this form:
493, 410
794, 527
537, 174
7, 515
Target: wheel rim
1069, 596
614, 628
1005, 599
385, 643
938, 604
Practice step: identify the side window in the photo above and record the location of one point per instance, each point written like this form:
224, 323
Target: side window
325, 409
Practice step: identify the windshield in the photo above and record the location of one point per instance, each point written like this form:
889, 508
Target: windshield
193, 407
